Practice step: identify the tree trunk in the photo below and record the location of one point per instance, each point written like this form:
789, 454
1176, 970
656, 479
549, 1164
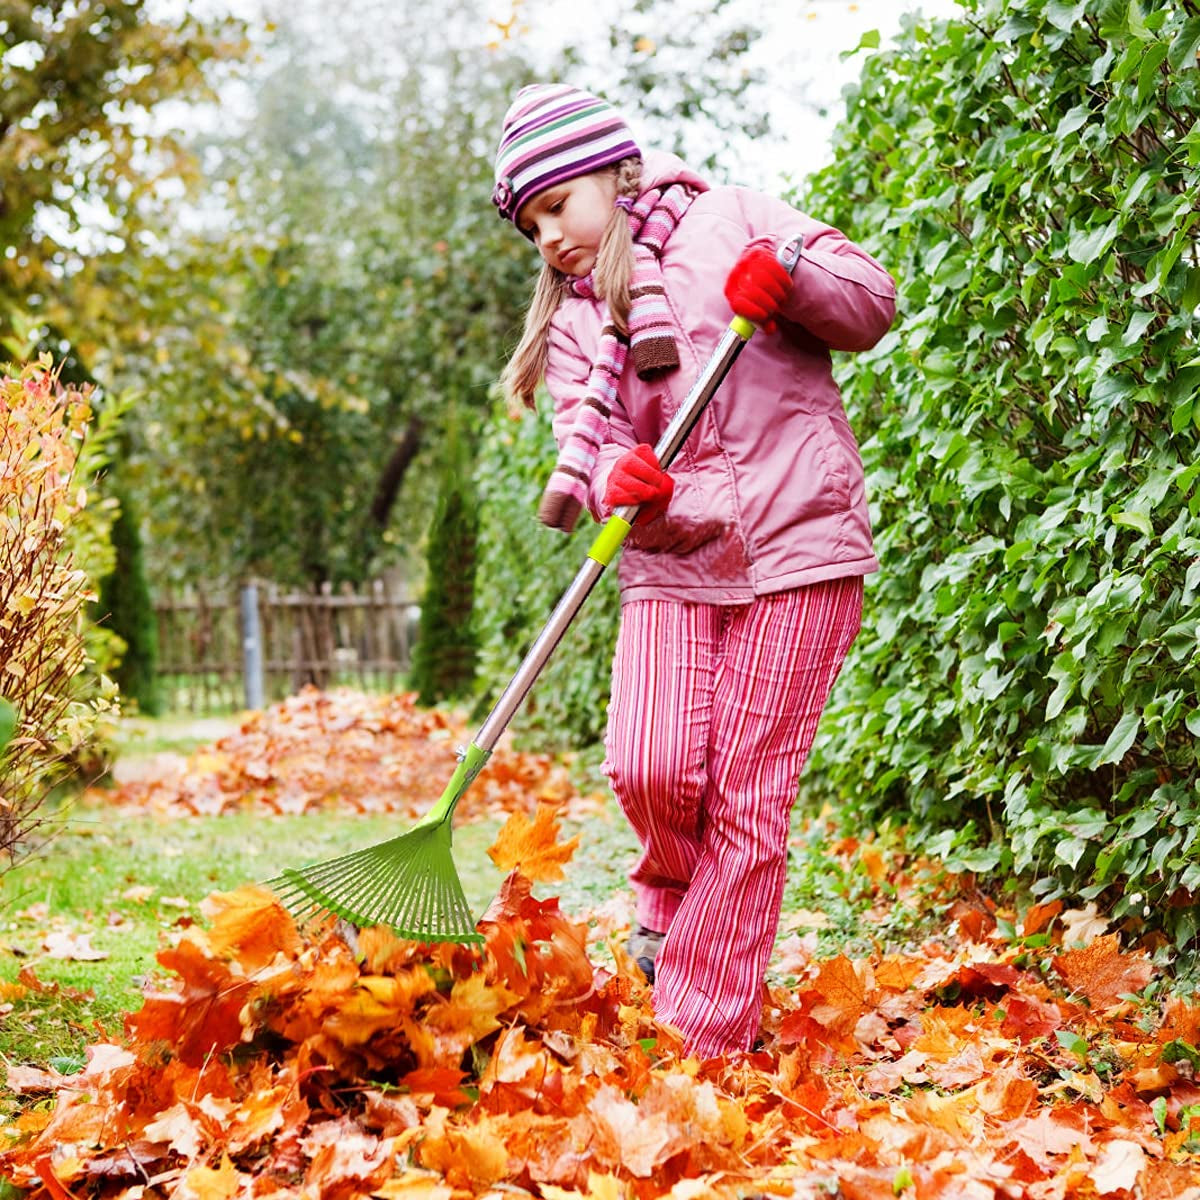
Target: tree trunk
394, 471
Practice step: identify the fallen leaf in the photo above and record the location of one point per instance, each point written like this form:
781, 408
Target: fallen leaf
73, 947
1081, 926
532, 847
250, 924
1102, 973
1118, 1167
205, 1183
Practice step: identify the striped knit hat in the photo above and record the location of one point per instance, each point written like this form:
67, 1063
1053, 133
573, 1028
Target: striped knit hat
552, 133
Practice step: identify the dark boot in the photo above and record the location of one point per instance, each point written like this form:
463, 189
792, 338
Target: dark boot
643, 948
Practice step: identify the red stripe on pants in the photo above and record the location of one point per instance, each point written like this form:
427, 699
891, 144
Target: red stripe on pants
714, 710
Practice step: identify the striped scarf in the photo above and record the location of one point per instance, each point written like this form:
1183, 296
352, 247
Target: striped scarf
651, 343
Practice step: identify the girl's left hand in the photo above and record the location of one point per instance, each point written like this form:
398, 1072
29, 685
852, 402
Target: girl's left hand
638, 479
758, 286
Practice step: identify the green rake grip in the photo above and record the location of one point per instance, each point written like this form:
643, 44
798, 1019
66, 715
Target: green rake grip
470, 763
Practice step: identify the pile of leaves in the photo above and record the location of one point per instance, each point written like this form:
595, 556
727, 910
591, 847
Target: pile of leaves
343, 748
281, 1062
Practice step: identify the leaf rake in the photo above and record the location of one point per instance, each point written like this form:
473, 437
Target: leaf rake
409, 883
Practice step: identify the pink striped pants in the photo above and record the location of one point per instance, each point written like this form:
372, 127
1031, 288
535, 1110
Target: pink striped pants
713, 713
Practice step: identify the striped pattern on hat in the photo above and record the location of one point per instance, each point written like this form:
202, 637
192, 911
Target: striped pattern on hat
553, 132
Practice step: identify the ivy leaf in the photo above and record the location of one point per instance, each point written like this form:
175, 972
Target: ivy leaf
1137, 22
1088, 244
1134, 520
1065, 16
1185, 45
1075, 119
1121, 738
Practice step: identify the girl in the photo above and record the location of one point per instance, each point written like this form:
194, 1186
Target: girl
741, 581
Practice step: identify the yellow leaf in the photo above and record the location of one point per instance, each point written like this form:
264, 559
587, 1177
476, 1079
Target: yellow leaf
203, 1183
532, 847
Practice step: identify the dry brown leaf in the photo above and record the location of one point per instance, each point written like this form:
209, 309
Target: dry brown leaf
74, 947
1102, 973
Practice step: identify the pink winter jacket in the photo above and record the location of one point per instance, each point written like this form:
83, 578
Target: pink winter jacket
769, 486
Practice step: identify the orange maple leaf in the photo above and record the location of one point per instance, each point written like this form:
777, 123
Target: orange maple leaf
533, 846
200, 1019
474, 1155
250, 924
841, 993
378, 1002
1102, 973
471, 1012
204, 1183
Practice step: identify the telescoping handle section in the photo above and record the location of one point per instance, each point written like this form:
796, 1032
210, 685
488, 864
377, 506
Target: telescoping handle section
604, 549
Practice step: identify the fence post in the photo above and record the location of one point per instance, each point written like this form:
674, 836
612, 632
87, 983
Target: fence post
252, 659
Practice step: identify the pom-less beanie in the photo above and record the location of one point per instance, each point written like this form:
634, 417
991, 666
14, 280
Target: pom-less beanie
553, 132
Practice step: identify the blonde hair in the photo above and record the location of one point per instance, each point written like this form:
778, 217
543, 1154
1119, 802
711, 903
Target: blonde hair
611, 276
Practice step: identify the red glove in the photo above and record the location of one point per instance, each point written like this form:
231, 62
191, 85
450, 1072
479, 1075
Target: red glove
757, 286
637, 479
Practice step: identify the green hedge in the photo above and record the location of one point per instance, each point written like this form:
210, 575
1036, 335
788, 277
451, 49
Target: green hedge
1024, 693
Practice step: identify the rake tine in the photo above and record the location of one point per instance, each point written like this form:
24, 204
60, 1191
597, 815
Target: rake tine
408, 884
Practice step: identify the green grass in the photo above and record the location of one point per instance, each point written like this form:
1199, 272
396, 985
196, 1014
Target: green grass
139, 737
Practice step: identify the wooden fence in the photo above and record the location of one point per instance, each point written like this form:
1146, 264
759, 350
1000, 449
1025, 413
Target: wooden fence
209, 660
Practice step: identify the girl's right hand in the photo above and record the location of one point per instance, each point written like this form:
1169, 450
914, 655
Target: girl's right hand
638, 479
757, 286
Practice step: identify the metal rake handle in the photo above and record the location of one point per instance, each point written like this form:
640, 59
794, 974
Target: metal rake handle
615, 529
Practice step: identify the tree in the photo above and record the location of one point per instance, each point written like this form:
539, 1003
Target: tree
1026, 690
125, 608
81, 161
444, 657
350, 313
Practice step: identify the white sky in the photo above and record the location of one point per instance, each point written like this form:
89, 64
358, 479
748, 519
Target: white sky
800, 51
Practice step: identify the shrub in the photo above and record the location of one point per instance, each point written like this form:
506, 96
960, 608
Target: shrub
445, 651
126, 609
43, 595
1025, 690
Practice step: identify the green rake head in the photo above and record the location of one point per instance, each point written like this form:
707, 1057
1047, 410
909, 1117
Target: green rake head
409, 884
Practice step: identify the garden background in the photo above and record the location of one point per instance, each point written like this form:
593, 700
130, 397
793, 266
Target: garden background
255, 303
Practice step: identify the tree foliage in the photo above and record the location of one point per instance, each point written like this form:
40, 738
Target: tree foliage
445, 654
82, 165
353, 316
1026, 686
523, 569
353, 291
125, 610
